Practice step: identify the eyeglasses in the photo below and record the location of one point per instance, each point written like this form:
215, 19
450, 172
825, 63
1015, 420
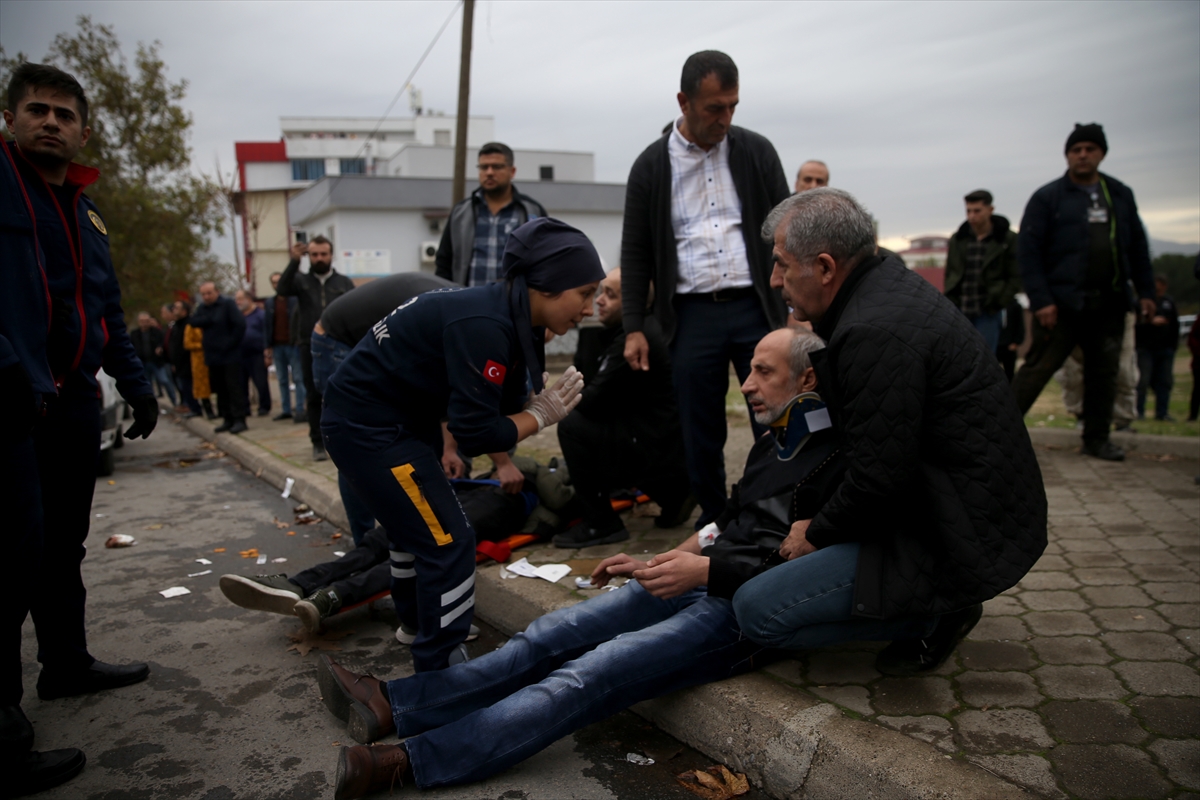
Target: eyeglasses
493, 167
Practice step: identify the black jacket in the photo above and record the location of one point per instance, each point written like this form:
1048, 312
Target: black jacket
454, 252
942, 487
1052, 247
1000, 276
145, 342
648, 252
771, 495
313, 295
181, 359
1160, 337
293, 306
639, 405
224, 329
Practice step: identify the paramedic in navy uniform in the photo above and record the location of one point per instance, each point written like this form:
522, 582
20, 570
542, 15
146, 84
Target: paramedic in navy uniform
465, 356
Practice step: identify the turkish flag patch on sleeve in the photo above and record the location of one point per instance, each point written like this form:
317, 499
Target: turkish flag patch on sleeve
494, 373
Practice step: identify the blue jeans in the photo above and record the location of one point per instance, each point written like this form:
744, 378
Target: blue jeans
287, 371
568, 669
327, 354
989, 326
806, 603
160, 374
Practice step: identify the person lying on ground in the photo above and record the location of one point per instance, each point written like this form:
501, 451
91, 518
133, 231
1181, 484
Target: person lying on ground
543, 506
670, 627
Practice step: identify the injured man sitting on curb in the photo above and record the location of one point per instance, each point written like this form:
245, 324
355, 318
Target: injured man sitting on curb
670, 627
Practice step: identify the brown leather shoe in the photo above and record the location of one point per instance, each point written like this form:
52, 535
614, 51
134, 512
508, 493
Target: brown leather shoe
364, 770
359, 700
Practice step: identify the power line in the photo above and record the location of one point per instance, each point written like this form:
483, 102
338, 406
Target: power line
408, 80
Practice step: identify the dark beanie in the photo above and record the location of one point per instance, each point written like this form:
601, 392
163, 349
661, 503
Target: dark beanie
550, 256
1092, 132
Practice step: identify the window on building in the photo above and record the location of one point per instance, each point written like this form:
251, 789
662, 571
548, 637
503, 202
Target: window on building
441, 138
353, 166
308, 169
546, 173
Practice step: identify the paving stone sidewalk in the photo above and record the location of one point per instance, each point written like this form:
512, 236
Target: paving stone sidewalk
1082, 681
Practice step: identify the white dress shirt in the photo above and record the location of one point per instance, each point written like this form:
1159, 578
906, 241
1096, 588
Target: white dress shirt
706, 215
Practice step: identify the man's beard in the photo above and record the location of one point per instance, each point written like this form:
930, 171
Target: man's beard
320, 267
46, 160
498, 192
770, 414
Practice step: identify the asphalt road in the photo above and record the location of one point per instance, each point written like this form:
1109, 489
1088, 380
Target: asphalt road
229, 711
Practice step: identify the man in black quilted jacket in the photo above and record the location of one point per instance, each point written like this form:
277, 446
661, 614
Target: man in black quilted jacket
942, 506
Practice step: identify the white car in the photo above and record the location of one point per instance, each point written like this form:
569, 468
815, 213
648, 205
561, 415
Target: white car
114, 413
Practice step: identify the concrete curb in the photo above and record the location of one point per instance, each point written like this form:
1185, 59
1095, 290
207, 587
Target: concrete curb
1133, 443
787, 742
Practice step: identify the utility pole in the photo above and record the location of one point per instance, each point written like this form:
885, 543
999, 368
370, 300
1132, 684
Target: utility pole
464, 95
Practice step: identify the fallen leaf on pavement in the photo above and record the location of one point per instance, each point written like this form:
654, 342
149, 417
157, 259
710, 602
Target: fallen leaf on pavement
278, 524
251, 553
218, 549
336, 535
304, 642
715, 783
291, 533
155, 527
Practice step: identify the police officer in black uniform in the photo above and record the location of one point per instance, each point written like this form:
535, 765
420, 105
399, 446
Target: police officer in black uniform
47, 114
467, 356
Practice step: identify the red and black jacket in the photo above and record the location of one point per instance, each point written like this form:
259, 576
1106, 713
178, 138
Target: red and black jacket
87, 327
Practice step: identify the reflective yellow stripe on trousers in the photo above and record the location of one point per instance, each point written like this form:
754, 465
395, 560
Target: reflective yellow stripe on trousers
404, 477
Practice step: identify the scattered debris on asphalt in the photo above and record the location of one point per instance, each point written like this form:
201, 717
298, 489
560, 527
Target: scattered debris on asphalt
279, 560
177, 463
251, 553
203, 561
218, 549
304, 642
175, 591
262, 559
198, 574
155, 527
640, 760
276, 522
287, 488
305, 515
120, 540
715, 783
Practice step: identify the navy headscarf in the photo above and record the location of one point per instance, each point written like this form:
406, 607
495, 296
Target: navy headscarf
547, 255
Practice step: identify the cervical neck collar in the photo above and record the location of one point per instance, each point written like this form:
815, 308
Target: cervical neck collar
804, 415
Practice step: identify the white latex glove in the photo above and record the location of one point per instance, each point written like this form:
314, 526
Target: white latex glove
553, 403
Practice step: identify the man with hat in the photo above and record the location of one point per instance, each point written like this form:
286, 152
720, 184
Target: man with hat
1083, 255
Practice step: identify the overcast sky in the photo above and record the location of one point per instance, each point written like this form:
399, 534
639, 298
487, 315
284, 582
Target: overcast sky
912, 105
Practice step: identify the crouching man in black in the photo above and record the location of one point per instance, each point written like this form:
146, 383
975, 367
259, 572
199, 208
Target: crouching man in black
942, 506
624, 432
670, 627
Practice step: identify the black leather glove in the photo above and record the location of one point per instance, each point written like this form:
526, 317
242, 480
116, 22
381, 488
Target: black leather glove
145, 416
18, 402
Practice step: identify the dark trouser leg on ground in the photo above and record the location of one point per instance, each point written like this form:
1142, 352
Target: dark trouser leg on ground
372, 552
361, 518
185, 392
255, 370
67, 441
591, 452
1100, 335
1050, 348
312, 396
282, 356
400, 479
567, 670
1162, 381
1145, 362
1194, 404
708, 336
20, 496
